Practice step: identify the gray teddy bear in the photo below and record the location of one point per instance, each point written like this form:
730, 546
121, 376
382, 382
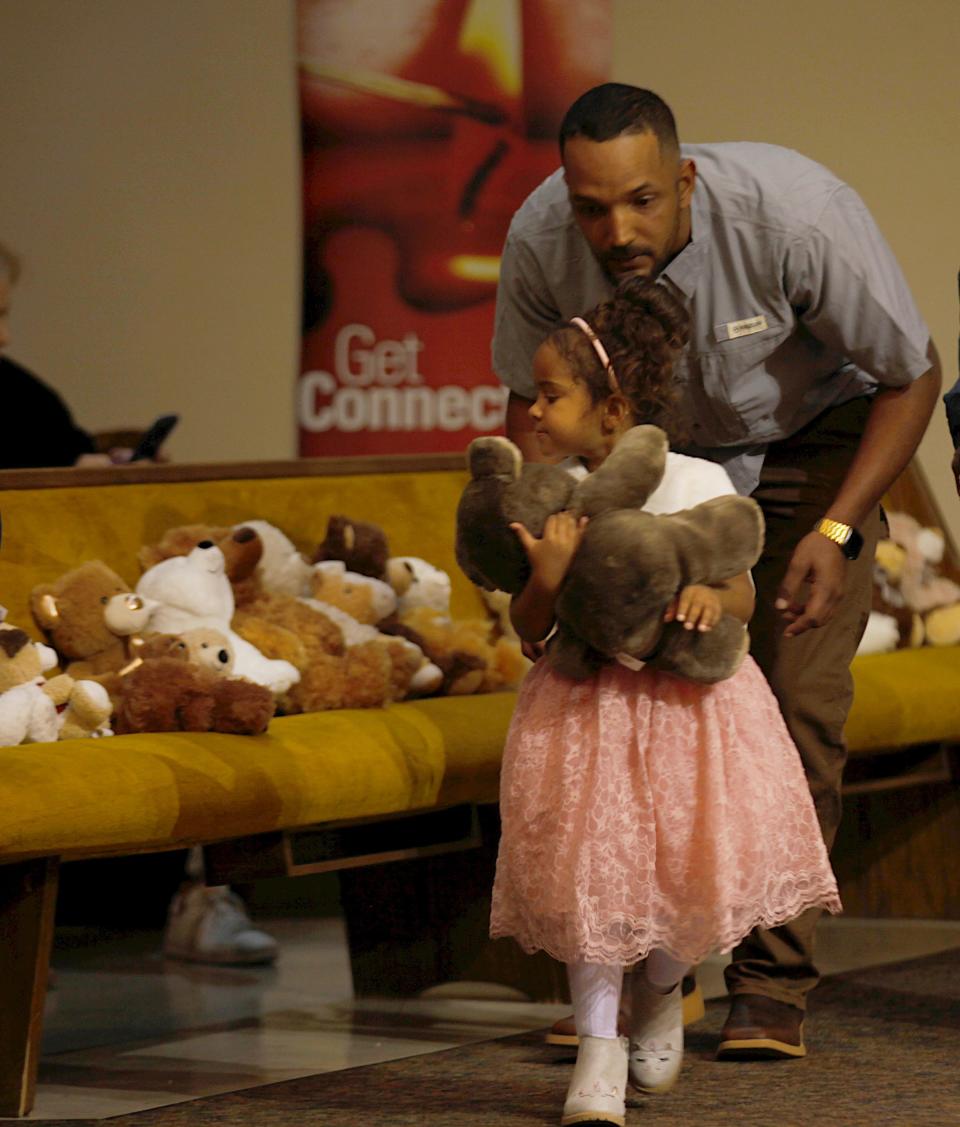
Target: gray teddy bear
630, 564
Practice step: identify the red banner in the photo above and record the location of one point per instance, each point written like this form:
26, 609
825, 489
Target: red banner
425, 125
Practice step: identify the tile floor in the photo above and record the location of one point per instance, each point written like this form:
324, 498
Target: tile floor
126, 1030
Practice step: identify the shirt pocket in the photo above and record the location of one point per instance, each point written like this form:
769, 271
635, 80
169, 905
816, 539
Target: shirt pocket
746, 394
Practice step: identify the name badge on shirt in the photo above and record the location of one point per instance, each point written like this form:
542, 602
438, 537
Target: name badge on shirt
734, 329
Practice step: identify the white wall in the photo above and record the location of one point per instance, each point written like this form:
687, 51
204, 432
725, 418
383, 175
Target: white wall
150, 178
869, 89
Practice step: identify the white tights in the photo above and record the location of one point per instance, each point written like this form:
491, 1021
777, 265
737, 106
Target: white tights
595, 990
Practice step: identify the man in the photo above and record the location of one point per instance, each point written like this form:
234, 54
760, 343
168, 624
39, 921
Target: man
810, 376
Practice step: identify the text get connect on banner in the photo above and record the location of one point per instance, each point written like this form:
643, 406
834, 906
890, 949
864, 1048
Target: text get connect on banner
425, 124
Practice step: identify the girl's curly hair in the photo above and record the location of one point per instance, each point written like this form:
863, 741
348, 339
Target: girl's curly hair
643, 327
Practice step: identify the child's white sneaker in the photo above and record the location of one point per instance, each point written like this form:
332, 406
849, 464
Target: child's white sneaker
597, 1089
656, 1036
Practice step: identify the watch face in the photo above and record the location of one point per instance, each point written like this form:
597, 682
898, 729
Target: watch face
851, 549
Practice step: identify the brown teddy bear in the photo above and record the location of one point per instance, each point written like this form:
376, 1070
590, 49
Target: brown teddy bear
93, 621
471, 655
184, 684
360, 545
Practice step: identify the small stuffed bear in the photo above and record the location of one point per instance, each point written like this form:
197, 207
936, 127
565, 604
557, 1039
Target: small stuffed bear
93, 621
283, 569
271, 623
36, 710
467, 651
184, 684
418, 583
913, 604
630, 564
193, 590
357, 604
360, 545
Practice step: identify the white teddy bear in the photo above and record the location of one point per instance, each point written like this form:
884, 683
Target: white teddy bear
29, 702
418, 584
282, 570
193, 591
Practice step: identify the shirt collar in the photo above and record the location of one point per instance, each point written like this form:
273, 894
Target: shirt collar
685, 270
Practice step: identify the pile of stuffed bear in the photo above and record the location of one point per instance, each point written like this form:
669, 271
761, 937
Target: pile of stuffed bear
229, 626
913, 604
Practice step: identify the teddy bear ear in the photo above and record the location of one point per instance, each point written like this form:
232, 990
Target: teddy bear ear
12, 640
43, 604
494, 456
400, 574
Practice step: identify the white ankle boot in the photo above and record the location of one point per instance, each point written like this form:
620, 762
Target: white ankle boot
598, 1087
656, 1036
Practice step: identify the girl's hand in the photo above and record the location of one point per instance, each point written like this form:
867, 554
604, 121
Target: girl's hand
697, 607
550, 555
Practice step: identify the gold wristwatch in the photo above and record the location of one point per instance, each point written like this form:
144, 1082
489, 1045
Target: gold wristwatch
845, 536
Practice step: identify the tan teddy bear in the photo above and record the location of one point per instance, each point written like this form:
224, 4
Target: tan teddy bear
357, 603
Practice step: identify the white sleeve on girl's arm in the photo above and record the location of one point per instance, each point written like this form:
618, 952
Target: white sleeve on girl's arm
687, 482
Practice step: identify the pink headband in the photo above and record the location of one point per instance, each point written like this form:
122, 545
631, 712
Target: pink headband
599, 350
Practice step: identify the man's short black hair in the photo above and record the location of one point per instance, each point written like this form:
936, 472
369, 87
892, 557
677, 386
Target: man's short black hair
613, 109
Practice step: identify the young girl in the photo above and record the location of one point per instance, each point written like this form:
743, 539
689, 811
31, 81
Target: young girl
646, 819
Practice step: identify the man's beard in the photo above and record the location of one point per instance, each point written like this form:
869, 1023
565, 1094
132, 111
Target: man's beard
631, 262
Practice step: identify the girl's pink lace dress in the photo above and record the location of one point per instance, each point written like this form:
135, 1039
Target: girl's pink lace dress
640, 810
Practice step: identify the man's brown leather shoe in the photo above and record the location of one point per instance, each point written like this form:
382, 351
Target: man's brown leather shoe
761, 1028
564, 1030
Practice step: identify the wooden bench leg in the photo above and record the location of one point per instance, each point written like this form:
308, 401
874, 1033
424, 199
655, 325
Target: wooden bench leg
28, 896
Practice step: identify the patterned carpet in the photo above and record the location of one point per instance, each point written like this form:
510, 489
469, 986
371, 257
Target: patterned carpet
885, 1049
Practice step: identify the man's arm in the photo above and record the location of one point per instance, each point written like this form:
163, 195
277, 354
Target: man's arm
897, 421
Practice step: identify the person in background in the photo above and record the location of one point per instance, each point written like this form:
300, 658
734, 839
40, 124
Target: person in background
203, 924
38, 427
809, 375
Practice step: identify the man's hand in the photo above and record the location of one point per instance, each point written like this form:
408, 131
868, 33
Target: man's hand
820, 564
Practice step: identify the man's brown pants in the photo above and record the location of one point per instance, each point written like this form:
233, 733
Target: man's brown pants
809, 674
